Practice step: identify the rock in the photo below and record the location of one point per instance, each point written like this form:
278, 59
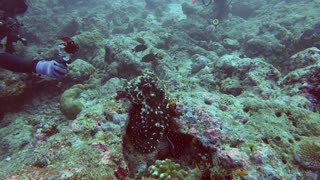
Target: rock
231, 86
303, 59
80, 70
112, 86
199, 63
12, 90
305, 81
231, 44
233, 157
254, 74
311, 37
188, 9
90, 43
266, 45
245, 9
11, 84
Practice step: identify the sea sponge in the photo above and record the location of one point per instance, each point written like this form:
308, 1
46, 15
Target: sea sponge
167, 169
307, 153
69, 106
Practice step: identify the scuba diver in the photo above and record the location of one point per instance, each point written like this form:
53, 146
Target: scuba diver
221, 8
9, 36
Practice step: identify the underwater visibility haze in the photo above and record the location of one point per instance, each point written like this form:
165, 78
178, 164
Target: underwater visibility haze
161, 89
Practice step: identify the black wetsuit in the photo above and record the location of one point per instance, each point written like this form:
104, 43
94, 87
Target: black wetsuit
222, 9
16, 63
10, 9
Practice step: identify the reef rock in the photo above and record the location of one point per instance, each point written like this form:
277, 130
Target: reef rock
80, 70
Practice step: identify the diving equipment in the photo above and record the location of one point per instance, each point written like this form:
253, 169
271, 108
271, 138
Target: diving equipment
66, 48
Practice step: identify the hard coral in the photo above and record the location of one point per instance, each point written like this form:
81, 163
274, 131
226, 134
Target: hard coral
307, 153
167, 169
69, 106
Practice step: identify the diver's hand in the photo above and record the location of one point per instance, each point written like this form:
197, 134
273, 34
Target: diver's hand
51, 68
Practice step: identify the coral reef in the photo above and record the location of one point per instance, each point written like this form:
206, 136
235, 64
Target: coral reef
304, 77
310, 37
302, 59
231, 91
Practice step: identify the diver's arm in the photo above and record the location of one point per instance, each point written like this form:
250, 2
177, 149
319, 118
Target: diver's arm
16, 63
49, 68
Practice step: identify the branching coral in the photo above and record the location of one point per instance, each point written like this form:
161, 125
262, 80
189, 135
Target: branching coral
167, 169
